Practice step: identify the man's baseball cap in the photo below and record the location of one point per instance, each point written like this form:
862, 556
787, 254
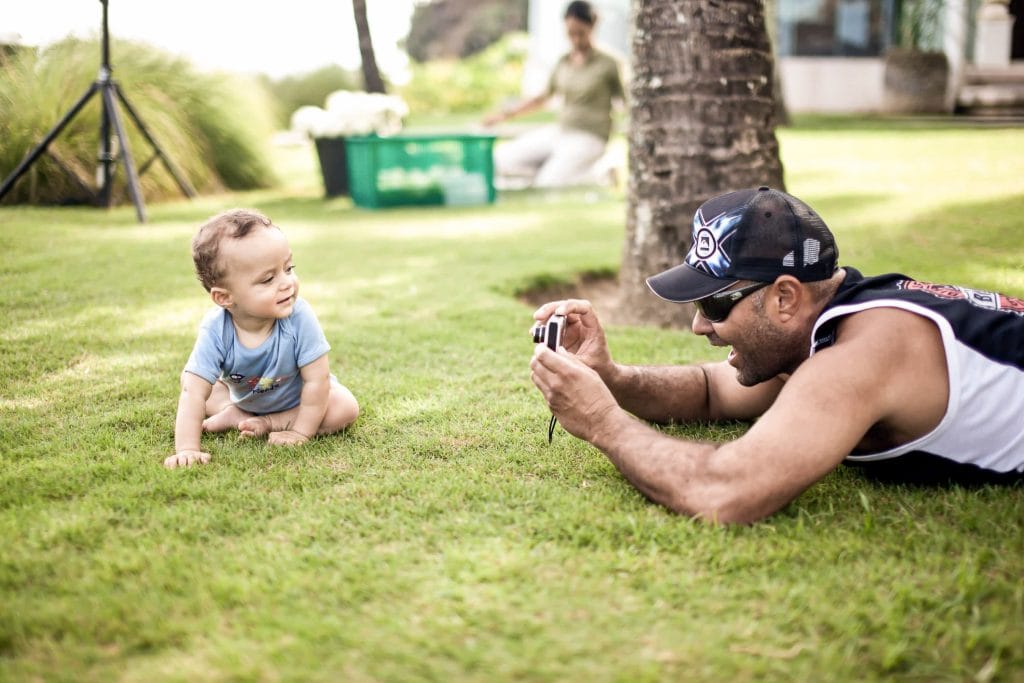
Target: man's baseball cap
756, 234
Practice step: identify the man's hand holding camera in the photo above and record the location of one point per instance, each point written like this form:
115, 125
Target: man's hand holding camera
582, 334
569, 378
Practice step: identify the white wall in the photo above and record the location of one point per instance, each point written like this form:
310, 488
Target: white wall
832, 85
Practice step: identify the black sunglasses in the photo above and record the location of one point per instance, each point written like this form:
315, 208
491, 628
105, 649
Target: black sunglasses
716, 308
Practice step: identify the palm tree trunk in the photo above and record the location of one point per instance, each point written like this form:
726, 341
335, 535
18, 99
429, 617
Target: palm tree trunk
702, 122
371, 74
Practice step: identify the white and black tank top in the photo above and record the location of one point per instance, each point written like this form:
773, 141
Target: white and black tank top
982, 332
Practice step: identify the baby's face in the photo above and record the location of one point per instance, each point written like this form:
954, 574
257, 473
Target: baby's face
260, 276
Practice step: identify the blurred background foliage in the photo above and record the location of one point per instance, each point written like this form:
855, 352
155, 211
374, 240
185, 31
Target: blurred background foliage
446, 29
215, 127
307, 89
467, 58
473, 84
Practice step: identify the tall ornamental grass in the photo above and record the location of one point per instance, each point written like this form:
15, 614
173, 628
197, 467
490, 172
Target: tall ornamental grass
214, 127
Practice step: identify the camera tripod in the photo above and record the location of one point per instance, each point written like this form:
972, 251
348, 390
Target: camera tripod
111, 122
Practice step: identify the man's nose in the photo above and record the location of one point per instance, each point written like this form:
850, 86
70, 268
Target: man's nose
700, 324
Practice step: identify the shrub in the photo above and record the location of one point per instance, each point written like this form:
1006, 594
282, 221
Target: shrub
477, 83
214, 127
308, 89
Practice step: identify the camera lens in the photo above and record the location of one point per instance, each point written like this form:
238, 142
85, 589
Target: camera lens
538, 334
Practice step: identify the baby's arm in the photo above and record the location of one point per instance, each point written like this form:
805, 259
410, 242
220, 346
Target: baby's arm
188, 427
316, 388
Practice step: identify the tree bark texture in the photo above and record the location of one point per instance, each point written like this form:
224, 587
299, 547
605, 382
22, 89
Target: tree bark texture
371, 74
702, 122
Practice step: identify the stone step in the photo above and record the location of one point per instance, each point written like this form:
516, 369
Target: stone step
1001, 95
1002, 99
986, 75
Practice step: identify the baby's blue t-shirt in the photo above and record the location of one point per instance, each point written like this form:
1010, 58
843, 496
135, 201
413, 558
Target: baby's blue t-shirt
264, 379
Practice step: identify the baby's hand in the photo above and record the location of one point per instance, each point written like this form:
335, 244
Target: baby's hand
185, 459
287, 438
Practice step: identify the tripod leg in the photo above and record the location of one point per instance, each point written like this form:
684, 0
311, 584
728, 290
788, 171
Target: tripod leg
126, 153
107, 160
41, 147
183, 184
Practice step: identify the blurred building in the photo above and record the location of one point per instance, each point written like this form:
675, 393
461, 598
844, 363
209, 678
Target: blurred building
10, 45
831, 53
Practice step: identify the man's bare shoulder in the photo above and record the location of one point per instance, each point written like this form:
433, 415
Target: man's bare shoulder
897, 334
890, 363
833, 401
886, 370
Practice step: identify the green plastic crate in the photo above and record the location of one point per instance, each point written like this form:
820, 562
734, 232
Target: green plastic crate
416, 170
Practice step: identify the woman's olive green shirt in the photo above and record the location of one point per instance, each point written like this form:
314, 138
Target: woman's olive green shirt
587, 91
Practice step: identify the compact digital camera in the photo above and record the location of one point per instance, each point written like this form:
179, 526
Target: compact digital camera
549, 332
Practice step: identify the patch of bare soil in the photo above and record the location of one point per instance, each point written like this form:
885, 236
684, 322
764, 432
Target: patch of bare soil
602, 291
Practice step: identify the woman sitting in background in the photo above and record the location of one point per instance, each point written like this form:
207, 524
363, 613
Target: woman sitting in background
587, 81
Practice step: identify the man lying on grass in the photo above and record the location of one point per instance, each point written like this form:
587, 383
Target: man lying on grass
915, 380
259, 364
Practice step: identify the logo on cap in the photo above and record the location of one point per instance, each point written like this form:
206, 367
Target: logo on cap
704, 244
709, 252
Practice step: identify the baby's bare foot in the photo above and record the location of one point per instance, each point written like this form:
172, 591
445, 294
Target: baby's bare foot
258, 425
229, 418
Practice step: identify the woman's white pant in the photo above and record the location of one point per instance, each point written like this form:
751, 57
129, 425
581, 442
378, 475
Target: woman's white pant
553, 156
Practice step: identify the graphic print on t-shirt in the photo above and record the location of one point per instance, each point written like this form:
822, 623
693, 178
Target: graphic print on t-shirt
990, 300
261, 385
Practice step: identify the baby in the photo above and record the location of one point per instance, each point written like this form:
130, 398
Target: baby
259, 364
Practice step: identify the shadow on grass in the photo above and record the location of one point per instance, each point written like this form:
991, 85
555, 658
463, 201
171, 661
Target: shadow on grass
996, 225
921, 470
968, 243
834, 207
307, 208
845, 123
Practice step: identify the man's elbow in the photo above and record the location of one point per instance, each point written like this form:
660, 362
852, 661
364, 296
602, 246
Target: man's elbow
721, 504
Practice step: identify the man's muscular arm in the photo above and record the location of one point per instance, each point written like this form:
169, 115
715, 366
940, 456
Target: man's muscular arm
688, 393
740, 481
659, 393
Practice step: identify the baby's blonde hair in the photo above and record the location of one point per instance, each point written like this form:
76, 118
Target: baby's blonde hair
234, 224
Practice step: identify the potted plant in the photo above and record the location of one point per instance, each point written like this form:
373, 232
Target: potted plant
345, 114
916, 68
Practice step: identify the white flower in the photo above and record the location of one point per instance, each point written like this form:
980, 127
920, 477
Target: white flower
309, 120
352, 113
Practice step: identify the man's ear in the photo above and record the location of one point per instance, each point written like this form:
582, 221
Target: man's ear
788, 297
221, 297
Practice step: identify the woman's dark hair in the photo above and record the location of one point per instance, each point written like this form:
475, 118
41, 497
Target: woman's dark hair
582, 11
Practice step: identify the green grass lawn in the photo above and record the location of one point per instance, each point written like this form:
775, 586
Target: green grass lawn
441, 537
